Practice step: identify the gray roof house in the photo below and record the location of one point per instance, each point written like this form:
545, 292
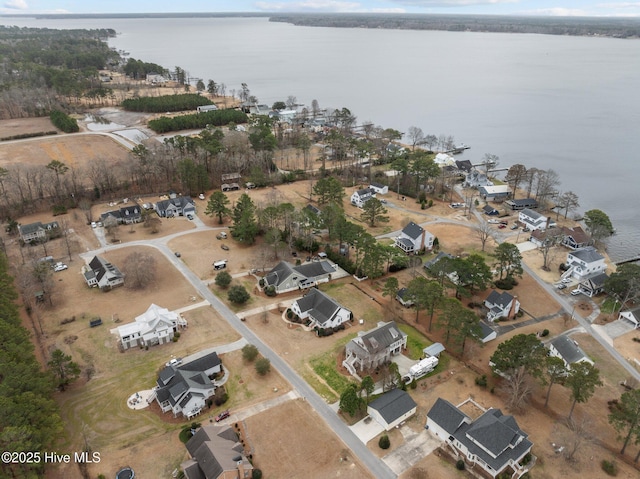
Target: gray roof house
185, 389
501, 305
360, 197
584, 263
392, 408
179, 206
568, 350
414, 238
631, 315
216, 453
126, 214
403, 298
322, 310
493, 441
286, 277
38, 231
374, 347
593, 285
99, 272
534, 220
522, 203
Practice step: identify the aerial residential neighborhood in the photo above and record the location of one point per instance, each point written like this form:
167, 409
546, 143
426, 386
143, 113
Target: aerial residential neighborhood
300, 312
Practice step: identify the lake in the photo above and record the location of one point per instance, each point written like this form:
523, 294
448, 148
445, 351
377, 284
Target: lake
570, 104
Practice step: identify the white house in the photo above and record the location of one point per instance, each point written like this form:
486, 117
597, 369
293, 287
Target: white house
321, 309
568, 350
155, 326
392, 408
414, 238
487, 333
501, 305
379, 188
38, 231
99, 272
584, 262
374, 347
493, 441
444, 159
632, 315
184, 390
360, 197
285, 277
534, 220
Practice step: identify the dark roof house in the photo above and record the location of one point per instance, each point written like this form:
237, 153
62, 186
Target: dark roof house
102, 274
286, 277
567, 349
392, 408
493, 441
374, 347
216, 452
322, 310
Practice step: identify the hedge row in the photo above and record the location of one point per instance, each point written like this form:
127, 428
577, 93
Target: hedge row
28, 135
159, 104
197, 120
63, 121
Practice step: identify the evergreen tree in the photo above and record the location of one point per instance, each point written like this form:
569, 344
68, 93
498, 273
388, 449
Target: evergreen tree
245, 226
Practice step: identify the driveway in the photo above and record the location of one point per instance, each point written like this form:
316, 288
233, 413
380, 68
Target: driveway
366, 429
417, 445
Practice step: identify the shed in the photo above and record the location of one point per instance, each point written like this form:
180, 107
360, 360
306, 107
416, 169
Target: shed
434, 350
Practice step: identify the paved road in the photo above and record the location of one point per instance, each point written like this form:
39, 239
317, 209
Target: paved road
376, 466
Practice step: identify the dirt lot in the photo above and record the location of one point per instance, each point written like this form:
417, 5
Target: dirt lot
22, 126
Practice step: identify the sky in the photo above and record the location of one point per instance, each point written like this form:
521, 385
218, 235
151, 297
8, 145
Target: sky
603, 8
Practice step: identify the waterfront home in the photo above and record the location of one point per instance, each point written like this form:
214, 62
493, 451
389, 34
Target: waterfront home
533, 220
583, 263
494, 193
521, 204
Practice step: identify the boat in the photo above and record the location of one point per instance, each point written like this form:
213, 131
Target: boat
459, 148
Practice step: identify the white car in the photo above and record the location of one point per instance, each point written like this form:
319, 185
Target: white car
201, 196
174, 362
60, 267
575, 292
493, 222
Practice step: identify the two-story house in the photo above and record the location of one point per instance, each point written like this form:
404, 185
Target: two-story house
414, 238
493, 441
102, 274
179, 206
374, 347
38, 231
185, 389
501, 305
584, 262
568, 350
534, 220
285, 277
155, 326
322, 310
360, 197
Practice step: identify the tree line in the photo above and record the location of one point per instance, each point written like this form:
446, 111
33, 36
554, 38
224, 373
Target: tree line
197, 120
157, 104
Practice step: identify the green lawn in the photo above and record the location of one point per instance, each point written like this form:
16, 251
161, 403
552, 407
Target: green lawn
416, 341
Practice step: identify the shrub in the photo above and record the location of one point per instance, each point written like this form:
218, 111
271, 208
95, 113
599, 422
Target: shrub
176, 334
414, 384
289, 314
64, 122
223, 279
256, 474
220, 400
482, 381
249, 352
526, 459
263, 366
238, 294
270, 290
545, 332
609, 467
59, 210
384, 442
504, 284
460, 465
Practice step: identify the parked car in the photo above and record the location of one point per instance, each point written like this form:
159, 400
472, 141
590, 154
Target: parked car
174, 362
561, 286
177, 253
514, 227
383, 201
221, 235
59, 267
493, 222
201, 196
503, 222
526, 229
250, 185
566, 280
94, 224
189, 216
224, 247
223, 415
575, 292
502, 226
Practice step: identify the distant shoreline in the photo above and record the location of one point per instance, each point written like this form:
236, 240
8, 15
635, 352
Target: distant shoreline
621, 28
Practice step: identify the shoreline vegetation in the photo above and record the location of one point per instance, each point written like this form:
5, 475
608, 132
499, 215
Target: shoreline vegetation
627, 28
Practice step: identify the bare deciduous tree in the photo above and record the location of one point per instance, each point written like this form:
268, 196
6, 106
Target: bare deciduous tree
139, 270
483, 233
518, 389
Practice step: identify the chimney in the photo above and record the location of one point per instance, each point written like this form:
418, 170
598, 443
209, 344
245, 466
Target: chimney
512, 310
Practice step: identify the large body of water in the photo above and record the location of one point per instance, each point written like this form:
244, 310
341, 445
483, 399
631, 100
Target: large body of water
571, 104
